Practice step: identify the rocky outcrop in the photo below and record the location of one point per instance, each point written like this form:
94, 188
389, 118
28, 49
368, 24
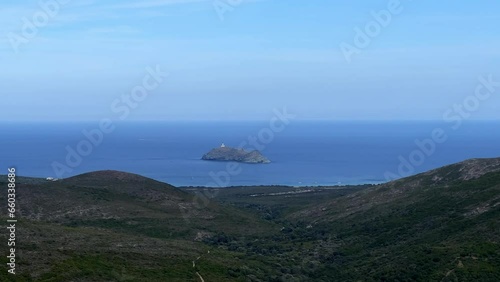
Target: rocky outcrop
235, 155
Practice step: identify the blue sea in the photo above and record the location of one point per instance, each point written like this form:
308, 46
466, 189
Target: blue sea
303, 153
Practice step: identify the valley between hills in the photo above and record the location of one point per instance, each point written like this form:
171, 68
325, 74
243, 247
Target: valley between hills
442, 225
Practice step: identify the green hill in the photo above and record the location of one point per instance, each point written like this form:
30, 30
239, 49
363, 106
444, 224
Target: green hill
95, 226
443, 225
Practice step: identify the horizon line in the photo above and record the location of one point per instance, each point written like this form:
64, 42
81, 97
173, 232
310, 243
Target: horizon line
238, 120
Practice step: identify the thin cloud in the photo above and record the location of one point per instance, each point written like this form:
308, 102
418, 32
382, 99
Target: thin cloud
157, 3
117, 29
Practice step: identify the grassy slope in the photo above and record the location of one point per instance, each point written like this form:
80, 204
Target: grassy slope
443, 225
100, 228
51, 252
434, 232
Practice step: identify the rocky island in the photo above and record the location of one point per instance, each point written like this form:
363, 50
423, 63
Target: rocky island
224, 153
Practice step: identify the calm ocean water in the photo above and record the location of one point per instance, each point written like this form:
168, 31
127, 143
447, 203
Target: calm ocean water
305, 153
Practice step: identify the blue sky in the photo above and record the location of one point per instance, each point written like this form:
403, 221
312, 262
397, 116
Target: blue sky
264, 54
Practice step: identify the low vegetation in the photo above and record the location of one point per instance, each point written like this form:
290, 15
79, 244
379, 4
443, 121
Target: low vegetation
443, 225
